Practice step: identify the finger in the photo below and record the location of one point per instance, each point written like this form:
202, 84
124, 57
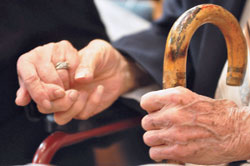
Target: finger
65, 52
162, 152
54, 91
62, 118
59, 56
93, 104
91, 55
73, 58
181, 135
153, 138
31, 81
156, 100
22, 97
184, 153
160, 119
62, 104
45, 68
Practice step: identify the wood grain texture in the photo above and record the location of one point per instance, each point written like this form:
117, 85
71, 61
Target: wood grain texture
177, 44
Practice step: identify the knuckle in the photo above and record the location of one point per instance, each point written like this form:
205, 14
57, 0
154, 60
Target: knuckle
177, 134
83, 116
150, 123
30, 79
175, 98
38, 95
159, 97
143, 104
145, 100
183, 91
61, 45
59, 121
145, 121
65, 43
39, 51
62, 118
102, 44
39, 48
178, 152
146, 138
20, 62
22, 58
153, 154
180, 88
61, 107
150, 138
97, 41
41, 110
47, 45
95, 103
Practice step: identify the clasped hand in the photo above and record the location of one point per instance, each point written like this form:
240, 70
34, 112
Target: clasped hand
94, 80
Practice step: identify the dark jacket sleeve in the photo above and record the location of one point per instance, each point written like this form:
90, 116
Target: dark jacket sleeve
207, 52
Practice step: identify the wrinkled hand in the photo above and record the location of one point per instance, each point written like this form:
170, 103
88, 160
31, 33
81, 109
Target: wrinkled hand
184, 126
96, 77
39, 80
105, 74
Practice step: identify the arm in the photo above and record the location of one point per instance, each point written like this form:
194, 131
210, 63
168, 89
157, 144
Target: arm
188, 127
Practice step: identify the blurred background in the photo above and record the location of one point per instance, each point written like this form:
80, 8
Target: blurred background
136, 15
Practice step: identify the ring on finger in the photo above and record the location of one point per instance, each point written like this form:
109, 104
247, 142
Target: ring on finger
62, 65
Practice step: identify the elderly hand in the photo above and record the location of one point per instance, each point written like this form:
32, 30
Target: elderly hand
39, 80
105, 74
184, 126
97, 76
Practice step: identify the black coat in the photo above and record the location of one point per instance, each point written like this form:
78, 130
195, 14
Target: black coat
24, 25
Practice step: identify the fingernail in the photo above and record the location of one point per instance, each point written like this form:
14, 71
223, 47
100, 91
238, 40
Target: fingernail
46, 104
59, 93
73, 95
82, 73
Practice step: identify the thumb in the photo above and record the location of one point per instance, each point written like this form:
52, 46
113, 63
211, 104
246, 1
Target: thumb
85, 70
92, 56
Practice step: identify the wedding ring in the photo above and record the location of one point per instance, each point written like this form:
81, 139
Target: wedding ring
62, 65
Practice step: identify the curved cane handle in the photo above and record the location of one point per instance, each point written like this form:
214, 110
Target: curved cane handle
181, 33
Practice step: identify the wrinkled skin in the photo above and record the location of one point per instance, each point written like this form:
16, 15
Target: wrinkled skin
95, 79
184, 126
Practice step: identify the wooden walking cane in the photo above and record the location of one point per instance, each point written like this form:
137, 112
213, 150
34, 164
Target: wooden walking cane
181, 33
